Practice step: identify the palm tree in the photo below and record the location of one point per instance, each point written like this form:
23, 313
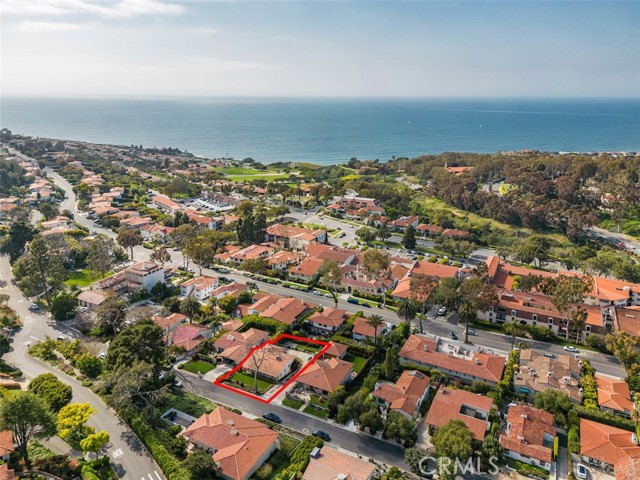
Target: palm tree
408, 310
189, 306
375, 321
467, 312
514, 329
212, 304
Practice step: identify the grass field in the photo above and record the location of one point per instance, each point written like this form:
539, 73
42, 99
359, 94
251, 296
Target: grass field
295, 404
358, 362
319, 401
247, 381
305, 347
196, 366
82, 278
316, 412
189, 403
238, 174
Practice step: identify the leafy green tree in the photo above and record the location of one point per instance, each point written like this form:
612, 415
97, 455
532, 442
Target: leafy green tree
408, 310
567, 295
45, 266
555, 402
336, 398
391, 365
446, 294
626, 347
111, 314
200, 465
141, 342
227, 304
401, 429
51, 390
160, 255
256, 265
89, 365
394, 473
366, 234
94, 442
48, 210
331, 275
376, 264
20, 232
413, 457
63, 306
515, 329
409, 238
453, 441
371, 419
128, 238
383, 233
101, 258
28, 417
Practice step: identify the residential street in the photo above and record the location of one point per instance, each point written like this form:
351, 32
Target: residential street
129, 457
380, 450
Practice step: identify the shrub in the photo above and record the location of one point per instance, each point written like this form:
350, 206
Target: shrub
268, 324
51, 390
573, 440
89, 365
355, 347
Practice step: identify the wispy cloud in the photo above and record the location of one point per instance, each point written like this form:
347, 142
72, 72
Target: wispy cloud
37, 27
211, 64
106, 9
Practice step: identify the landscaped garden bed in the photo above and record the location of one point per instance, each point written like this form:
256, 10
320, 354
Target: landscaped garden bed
315, 411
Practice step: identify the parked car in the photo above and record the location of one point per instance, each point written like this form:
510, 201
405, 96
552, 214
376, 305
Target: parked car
178, 384
581, 471
224, 279
328, 295
102, 355
271, 417
323, 435
442, 311
317, 292
470, 332
223, 270
453, 336
34, 307
352, 300
550, 355
569, 348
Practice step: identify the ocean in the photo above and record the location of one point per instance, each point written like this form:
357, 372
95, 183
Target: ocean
329, 131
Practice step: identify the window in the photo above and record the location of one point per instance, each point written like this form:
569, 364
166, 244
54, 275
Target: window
588, 328
513, 313
534, 317
491, 308
550, 321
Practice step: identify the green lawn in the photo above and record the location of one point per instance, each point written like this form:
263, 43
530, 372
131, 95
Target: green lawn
196, 366
295, 404
188, 403
247, 380
316, 412
358, 362
319, 401
82, 278
307, 347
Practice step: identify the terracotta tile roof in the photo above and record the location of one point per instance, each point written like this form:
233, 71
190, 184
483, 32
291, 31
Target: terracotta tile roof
613, 393
449, 404
201, 282
422, 267
333, 465
361, 327
484, 366
526, 432
607, 444
169, 321
284, 257
239, 442
232, 339
229, 289
627, 320
452, 232
326, 375
336, 349
330, 317
6, 473
307, 267
506, 272
289, 231
6, 442
143, 268
405, 393
188, 336
457, 170
232, 325
166, 202
425, 227
274, 361
287, 310
94, 297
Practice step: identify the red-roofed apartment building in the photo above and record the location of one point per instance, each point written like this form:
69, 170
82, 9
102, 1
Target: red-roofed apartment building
406, 395
200, 287
470, 408
608, 447
165, 204
403, 223
294, 238
238, 444
483, 367
529, 435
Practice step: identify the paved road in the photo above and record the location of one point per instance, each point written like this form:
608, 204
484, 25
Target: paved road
129, 457
606, 364
356, 442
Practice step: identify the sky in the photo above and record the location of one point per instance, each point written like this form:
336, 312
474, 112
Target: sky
319, 48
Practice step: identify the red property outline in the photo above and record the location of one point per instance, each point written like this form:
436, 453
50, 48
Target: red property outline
224, 376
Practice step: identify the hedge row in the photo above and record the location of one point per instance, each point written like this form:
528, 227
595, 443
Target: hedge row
261, 323
589, 386
354, 346
170, 465
599, 416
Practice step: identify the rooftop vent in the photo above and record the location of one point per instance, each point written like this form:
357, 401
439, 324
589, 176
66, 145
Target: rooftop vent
315, 452
234, 432
230, 422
